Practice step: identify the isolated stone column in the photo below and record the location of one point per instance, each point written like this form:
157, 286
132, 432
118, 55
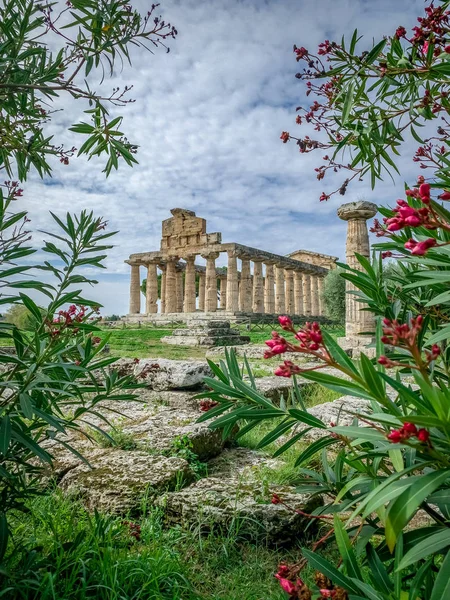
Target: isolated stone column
280, 302
211, 281
269, 292
289, 291
306, 284
171, 286
321, 285
223, 292
298, 293
232, 283
356, 214
315, 310
245, 288
258, 287
135, 290
179, 290
163, 288
151, 290
201, 291
189, 285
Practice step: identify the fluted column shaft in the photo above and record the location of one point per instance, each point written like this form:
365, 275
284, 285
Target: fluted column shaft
280, 302
321, 285
289, 289
269, 293
315, 296
298, 293
171, 287
245, 289
135, 290
258, 288
179, 291
356, 214
211, 282
232, 283
189, 285
306, 284
201, 292
163, 288
223, 292
151, 290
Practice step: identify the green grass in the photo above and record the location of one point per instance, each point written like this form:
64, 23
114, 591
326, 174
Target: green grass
285, 473
73, 555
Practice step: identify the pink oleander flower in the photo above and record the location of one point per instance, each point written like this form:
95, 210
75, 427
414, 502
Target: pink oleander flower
287, 369
420, 248
444, 196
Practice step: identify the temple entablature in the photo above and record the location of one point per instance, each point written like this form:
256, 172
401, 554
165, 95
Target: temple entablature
265, 283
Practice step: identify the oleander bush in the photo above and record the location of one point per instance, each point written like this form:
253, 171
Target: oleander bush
386, 476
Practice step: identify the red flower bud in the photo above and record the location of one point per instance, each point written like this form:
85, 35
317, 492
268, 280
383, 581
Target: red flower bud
423, 435
395, 436
410, 428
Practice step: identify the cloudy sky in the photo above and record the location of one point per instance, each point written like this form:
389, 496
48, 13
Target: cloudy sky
207, 118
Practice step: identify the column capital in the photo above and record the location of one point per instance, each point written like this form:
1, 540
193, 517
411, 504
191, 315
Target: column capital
357, 210
212, 255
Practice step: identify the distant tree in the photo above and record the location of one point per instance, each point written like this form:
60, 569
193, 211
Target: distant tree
112, 317
21, 317
334, 295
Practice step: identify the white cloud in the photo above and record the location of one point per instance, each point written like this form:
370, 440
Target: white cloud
207, 117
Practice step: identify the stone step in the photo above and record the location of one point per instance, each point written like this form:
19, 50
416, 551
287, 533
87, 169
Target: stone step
201, 340
206, 331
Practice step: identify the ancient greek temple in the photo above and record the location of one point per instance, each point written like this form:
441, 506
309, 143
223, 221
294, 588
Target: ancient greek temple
255, 282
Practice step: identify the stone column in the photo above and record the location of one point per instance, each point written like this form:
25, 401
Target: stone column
356, 214
211, 281
179, 290
151, 290
223, 292
289, 279
306, 284
269, 293
258, 287
201, 291
232, 283
189, 285
245, 289
321, 285
163, 288
280, 303
171, 286
135, 290
315, 296
298, 293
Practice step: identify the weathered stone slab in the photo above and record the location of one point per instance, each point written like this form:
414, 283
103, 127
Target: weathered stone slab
275, 388
203, 340
242, 462
165, 374
215, 503
251, 351
339, 412
159, 433
119, 480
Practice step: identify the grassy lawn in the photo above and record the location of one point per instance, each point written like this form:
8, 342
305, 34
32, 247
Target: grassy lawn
146, 342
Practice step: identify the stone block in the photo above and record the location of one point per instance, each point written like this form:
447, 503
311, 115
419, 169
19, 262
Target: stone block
165, 374
216, 503
119, 480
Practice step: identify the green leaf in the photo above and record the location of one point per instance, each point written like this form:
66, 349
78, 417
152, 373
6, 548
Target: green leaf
314, 448
403, 508
305, 417
325, 567
284, 426
345, 549
295, 438
5, 435
378, 571
348, 102
431, 545
441, 588
364, 433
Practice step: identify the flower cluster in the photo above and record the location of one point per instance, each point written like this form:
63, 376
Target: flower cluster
403, 335
310, 341
287, 369
408, 431
207, 404
407, 216
134, 529
288, 576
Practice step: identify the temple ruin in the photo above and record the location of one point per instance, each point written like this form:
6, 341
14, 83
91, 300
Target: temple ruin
275, 284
